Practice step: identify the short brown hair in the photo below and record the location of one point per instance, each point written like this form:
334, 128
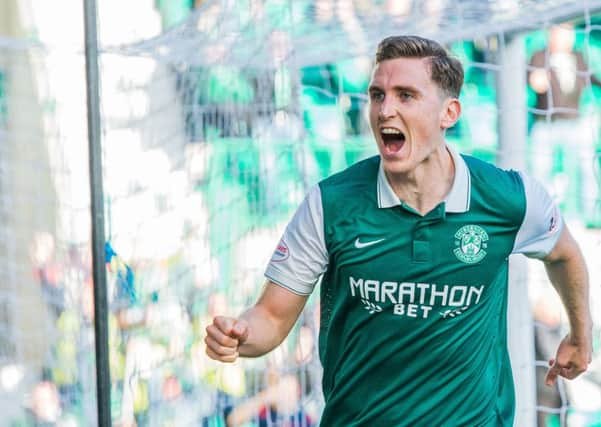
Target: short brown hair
446, 71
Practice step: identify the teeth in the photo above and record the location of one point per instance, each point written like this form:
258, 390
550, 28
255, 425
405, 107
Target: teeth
390, 131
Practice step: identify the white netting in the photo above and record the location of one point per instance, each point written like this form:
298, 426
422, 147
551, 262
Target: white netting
212, 132
46, 335
248, 34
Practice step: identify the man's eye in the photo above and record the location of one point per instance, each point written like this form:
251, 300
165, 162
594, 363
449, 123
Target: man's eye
377, 96
406, 95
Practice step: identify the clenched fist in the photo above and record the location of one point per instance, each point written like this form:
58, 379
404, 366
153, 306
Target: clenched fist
224, 337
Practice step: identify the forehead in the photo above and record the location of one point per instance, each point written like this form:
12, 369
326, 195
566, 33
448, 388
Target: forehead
410, 72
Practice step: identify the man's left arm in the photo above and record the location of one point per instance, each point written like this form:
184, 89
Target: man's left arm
567, 271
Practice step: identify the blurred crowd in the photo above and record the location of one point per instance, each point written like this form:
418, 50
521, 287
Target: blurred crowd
160, 374
251, 152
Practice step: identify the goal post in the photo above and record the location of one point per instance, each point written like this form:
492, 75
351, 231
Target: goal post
212, 132
512, 153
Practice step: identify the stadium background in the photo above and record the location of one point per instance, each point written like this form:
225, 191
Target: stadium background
216, 117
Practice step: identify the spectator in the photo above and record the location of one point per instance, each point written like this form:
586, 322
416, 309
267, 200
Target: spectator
279, 404
558, 76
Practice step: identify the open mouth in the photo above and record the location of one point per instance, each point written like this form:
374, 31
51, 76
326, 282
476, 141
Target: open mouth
393, 139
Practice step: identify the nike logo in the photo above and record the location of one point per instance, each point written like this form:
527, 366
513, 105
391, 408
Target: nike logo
360, 245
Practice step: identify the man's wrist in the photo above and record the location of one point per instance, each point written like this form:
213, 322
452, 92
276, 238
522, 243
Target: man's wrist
582, 336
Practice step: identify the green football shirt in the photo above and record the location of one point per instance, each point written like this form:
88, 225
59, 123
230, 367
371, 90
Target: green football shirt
413, 308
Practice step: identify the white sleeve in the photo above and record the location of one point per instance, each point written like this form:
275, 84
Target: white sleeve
301, 257
542, 222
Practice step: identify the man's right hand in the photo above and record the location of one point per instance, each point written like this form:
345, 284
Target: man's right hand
224, 337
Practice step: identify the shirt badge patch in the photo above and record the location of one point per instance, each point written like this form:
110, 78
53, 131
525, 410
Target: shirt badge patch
471, 242
281, 252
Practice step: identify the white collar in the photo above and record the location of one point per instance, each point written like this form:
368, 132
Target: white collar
458, 199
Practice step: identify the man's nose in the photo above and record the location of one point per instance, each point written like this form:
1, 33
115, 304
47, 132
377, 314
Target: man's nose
387, 109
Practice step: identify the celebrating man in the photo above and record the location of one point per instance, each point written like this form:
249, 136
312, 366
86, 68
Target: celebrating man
412, 247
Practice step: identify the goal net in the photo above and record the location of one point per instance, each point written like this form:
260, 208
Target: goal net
212, 133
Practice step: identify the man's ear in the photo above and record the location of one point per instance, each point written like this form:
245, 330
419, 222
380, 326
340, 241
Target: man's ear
450, 113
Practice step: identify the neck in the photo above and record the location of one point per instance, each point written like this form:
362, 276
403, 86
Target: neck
428, 184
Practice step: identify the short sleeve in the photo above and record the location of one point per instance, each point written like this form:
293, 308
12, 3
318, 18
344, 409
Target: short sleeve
542, 222
301, 257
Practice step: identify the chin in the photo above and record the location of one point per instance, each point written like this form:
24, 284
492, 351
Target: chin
396, 166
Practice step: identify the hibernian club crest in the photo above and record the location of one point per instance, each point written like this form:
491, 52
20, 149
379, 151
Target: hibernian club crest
471, 242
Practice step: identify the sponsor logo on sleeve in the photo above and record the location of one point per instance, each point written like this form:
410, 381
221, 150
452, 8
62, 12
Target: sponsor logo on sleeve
553, 221
281, 252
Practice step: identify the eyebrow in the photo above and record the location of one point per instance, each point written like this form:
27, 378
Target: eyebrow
373, 88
